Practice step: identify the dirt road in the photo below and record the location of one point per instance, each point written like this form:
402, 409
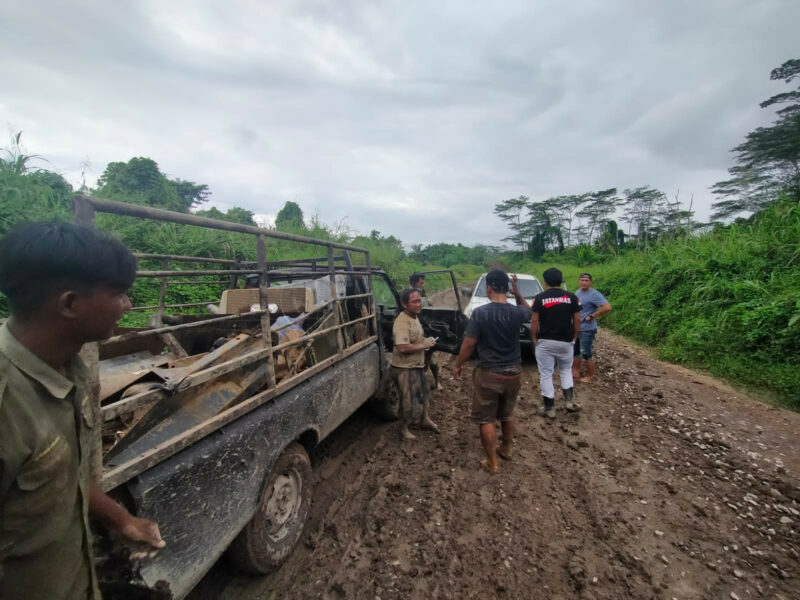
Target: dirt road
668, 484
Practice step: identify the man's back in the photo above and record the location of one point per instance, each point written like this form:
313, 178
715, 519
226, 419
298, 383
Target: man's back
556, 309
496, 326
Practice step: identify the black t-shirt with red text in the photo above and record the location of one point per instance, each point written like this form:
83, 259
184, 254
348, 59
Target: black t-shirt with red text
556, 309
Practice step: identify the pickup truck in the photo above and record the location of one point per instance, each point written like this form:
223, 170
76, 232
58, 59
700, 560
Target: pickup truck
204, 422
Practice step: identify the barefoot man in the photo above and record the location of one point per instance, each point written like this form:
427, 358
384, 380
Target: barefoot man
593, 306
494, 330
65, 285
408, 364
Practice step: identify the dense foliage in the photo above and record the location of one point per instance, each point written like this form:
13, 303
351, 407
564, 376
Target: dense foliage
727, 301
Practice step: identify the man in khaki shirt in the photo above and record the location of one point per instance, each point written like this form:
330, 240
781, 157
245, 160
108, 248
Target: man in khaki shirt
408, 364
65, 286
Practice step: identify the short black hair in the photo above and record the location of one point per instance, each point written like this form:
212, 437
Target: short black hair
553, 277
40, 259
405, 295
415, 277
498, 280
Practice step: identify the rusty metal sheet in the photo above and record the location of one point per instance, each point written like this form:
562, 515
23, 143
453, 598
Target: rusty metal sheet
121, 371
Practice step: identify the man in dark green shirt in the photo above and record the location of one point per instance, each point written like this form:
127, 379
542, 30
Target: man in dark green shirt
65, 285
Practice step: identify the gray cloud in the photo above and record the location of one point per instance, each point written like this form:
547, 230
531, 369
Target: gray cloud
411, 118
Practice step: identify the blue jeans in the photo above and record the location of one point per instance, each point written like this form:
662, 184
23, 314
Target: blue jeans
583, 346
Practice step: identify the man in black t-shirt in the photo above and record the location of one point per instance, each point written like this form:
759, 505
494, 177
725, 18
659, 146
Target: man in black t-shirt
554, 328
494, 330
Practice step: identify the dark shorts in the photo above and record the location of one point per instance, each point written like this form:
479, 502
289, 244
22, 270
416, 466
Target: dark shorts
585, 343
412, 386
494, 396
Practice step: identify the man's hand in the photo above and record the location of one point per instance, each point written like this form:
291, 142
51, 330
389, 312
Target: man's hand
143, 536
514, 288
456, 369
428, 343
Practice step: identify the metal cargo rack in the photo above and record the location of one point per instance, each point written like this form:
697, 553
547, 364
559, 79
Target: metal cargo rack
245, 362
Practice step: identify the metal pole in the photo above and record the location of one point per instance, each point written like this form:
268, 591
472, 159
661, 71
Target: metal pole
261, 250
336, 319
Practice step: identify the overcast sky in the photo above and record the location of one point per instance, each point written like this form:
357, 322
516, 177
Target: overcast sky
412, 118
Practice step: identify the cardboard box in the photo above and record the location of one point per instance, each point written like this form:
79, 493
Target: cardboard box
289, 300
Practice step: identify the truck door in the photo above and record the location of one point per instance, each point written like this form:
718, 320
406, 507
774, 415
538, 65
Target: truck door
442, 316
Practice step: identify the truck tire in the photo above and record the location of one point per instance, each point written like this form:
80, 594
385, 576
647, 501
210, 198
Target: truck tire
268, 539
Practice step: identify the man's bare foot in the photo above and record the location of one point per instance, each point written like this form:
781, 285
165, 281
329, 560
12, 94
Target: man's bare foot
585, 380
406, 434
504, 452
429, 425
492, 468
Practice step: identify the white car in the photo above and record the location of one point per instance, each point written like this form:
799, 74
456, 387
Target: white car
528, 285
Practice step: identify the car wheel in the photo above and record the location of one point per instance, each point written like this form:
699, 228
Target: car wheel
268, 539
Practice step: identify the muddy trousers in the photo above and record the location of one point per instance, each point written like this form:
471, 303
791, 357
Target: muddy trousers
549, 355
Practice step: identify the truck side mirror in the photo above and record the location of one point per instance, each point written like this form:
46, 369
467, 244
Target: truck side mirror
466, 292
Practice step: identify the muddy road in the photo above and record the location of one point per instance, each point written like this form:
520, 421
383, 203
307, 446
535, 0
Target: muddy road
669, 484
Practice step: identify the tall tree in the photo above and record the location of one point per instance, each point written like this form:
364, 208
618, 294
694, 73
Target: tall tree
511, 211
544, 235
563, 210
768, 162
641, 208
598, 209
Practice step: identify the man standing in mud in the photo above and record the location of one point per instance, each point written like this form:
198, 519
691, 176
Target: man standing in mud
554, 329
593, 306
493, 329
408, 364
66, 286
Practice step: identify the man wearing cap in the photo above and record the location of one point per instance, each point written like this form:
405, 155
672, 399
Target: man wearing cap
554, 329
494, 330
593, 306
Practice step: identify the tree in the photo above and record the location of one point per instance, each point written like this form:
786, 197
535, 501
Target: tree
544, 235
597, 210
510, 211
139, 181
768, 162
233, 215
642, 206
290, 217
563, 210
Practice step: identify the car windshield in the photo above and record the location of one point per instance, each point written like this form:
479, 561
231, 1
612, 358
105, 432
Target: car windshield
528, 287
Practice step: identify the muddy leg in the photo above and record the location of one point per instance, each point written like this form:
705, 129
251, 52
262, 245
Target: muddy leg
426, 422
504, 451
591, 365
576, 367
489, 441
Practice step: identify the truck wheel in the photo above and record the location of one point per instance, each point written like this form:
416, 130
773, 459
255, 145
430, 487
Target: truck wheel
268, 539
